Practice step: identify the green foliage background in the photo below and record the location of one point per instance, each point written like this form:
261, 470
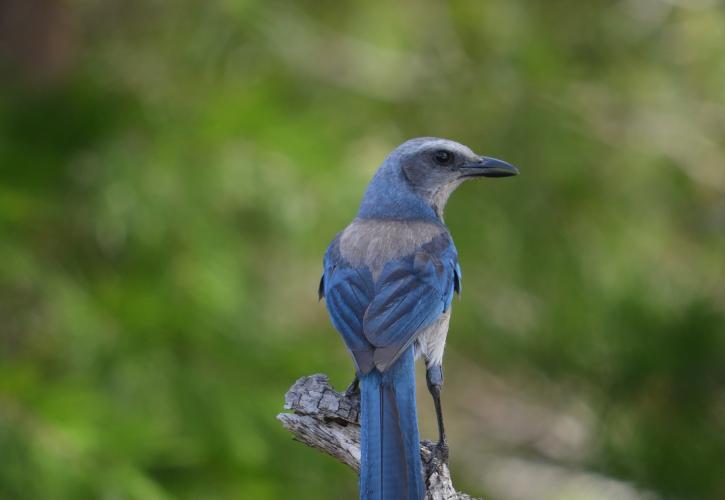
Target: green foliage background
172, 171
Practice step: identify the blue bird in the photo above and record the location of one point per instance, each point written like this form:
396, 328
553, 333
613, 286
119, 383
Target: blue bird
388, 281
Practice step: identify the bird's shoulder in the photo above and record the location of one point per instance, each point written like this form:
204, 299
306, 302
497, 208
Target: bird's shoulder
374, 242
370, 246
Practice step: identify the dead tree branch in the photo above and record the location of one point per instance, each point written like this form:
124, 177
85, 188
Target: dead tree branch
328, 420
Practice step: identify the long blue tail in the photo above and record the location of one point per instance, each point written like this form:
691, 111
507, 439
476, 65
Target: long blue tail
390, 467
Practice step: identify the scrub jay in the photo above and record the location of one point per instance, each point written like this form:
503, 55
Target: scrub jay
388, 281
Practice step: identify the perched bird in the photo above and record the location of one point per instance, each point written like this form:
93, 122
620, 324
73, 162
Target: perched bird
388, 281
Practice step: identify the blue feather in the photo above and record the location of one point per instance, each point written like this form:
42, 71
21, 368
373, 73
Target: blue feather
390, 448
378, 320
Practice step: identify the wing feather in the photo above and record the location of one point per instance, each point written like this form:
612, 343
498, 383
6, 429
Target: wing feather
380, 319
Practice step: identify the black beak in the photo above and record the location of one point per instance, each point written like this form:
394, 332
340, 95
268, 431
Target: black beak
488, 167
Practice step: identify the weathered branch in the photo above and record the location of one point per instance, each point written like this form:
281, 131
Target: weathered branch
328, 420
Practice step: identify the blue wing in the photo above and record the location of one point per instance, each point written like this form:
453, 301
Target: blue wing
380, 319
348, 292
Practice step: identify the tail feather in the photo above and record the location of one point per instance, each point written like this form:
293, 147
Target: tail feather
390, 449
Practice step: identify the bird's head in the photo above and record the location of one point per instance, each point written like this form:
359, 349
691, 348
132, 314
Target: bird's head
435, 167
417, 178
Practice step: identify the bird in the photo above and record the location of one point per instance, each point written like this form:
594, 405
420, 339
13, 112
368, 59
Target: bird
388, 281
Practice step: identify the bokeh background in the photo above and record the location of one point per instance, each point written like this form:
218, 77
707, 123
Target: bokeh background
172, 171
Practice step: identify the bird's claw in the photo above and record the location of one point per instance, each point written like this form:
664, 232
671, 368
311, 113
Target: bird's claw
440, 454
353, 390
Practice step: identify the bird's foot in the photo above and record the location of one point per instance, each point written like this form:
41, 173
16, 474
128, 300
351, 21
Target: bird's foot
440, 454
353, 390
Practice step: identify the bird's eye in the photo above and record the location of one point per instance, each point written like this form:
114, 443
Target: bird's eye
443, 157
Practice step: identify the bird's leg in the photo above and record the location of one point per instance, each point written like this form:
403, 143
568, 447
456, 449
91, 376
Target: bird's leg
354, 388
434, 379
